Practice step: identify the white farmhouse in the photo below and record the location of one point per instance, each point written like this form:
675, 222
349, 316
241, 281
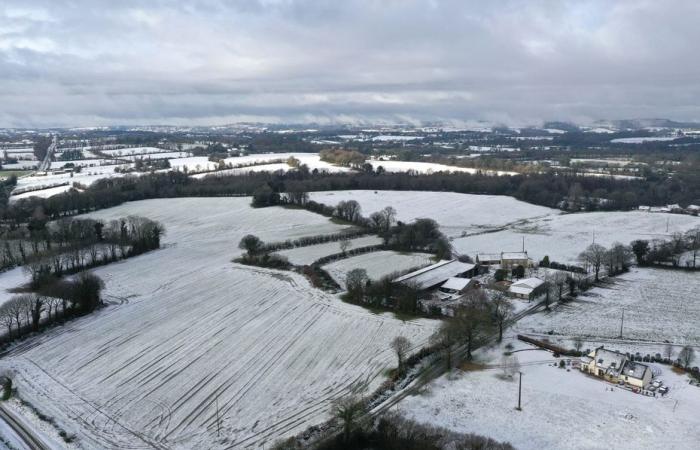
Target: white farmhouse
616, 367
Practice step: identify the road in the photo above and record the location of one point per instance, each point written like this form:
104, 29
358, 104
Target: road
30, 439
46, 163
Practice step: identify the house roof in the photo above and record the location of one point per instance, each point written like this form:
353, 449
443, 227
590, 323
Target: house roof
609, 360
488, 256
436, 274
456, 283
526, 285
514, 255
634, 370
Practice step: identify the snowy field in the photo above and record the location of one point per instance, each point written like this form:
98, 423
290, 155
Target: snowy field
193, 164
309, 254
564, 237
560, 410
377, 264
427, 167
660, 305
455, 213
187, 329
641, 140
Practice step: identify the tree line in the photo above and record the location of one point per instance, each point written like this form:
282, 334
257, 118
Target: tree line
58, 300
670, 252
542, 189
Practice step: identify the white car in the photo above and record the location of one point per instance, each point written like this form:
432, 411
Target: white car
657, 383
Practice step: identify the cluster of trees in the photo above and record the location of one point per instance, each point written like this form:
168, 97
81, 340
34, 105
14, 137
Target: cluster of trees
475, 321
391, 431
62, 298
545, 262
382, 293
257, 254
670, 252
149, 164
72, 245
615, 259
347, 158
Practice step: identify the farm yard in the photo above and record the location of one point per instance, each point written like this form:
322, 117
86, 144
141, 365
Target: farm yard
660, 305
553, 400
377, 264
139, 372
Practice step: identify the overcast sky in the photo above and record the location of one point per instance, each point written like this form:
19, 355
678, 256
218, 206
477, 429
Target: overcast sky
104, 62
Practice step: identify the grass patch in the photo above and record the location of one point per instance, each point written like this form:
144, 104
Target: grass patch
18, 173
471, 366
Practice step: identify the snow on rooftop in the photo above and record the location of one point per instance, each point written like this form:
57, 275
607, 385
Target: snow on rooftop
456, 283
435, 274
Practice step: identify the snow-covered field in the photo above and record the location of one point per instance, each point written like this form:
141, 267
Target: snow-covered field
309, 254
455, 213
188, 329
377, 264
641, 140
427, 167
659, 305
564, 237
560, 409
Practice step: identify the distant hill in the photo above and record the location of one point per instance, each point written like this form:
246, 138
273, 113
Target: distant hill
637, 124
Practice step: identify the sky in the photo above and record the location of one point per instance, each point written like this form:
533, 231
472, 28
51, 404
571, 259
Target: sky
157, 62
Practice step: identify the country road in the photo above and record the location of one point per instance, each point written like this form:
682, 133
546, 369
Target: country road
46, 163
25, 433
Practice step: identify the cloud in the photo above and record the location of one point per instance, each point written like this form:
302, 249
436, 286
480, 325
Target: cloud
84, 63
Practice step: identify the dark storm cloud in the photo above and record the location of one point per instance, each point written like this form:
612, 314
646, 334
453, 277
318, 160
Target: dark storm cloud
211, 62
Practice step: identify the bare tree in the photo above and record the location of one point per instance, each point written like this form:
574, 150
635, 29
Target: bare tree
401, 345
472, 322
578, 343
502, 311
344, 245
593, 257
686, 356
668, 351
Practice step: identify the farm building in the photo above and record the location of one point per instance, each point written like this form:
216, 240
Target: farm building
437, 274
616, 367
507, 260
510, 260
454, 287
526, 288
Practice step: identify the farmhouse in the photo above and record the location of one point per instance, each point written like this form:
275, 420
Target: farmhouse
507, 260
616, 367
437, 274
526, 288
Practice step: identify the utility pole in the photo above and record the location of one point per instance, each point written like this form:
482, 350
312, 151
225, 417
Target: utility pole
622, 322
520, 391
667, 220
523, 244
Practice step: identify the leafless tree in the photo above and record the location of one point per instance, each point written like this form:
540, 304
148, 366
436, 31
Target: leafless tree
502, 311
686, 356
668, 351
593, 257
344, 245
401, 345
578, 343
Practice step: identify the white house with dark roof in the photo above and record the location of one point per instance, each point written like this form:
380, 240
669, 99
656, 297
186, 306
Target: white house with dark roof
616, 367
